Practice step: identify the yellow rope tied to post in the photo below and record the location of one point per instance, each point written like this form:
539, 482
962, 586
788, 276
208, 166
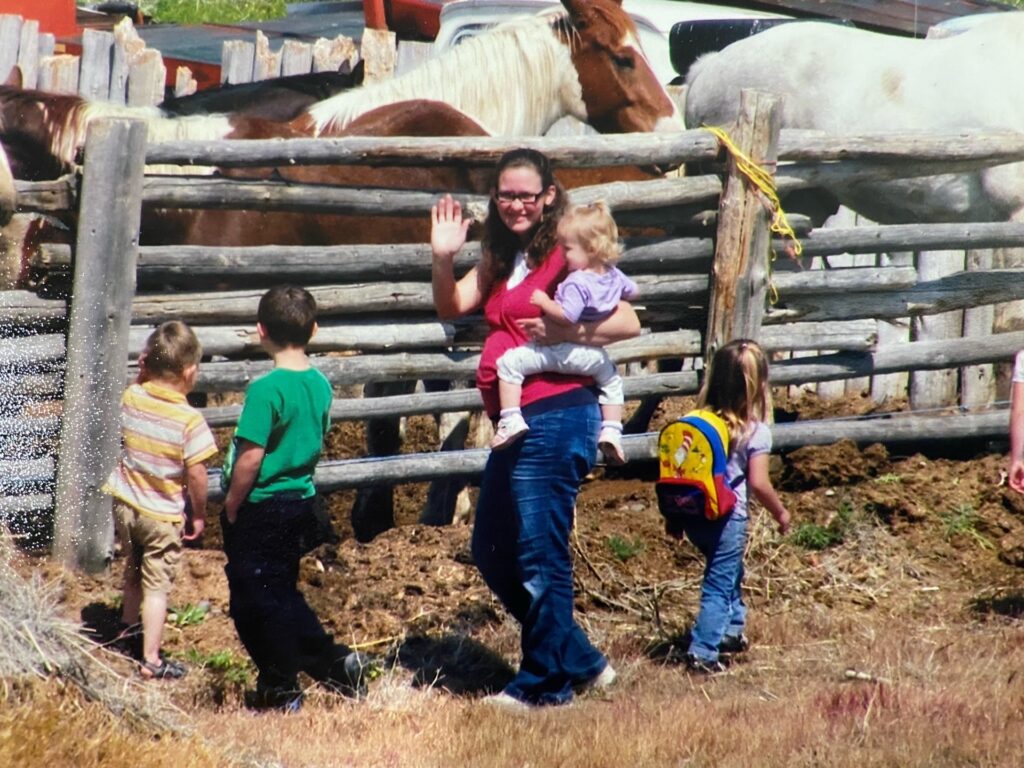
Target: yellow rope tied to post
765, 184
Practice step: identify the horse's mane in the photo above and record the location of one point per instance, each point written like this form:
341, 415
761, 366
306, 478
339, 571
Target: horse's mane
482, 77
66, 120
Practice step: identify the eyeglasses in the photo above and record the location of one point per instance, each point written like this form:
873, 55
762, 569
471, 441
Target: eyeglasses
505, 197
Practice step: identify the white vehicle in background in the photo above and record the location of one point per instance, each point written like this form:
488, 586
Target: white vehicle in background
654, 21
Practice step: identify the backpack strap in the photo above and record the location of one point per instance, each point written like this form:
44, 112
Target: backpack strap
716, 443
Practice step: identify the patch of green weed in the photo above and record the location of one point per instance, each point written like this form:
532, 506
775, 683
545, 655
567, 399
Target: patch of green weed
188, 615
214, 11
624, 549
230, 668
962, 520
818, 537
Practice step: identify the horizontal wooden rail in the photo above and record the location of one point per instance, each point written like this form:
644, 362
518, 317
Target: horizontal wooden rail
915, 356
358, 409
210, 192
24, 308
663, 149
909, 237
35, 351
368, 336
961, 290
922, 355
694, 145
233, 376
421, 467
994, 147
189, 265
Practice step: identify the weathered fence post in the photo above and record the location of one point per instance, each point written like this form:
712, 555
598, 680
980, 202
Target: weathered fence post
10, 42
104, 284
936, 389
94, 66
739, 272
28, 53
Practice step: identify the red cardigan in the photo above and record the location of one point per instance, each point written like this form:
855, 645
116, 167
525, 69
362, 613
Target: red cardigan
503, 307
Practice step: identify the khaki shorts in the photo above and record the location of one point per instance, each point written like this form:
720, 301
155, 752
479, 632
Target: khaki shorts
152, 548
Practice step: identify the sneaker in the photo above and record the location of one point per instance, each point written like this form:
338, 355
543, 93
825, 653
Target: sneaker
283, 699
704, 666
599, 682
733, 644
510, 428
165, 670
610, 444
293, 705
352, 680
507, 702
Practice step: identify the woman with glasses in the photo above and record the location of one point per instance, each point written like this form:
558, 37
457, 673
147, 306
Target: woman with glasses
528, 491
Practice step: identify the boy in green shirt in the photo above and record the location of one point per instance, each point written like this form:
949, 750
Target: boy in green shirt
269, 519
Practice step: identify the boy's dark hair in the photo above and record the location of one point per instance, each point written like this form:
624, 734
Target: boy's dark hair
171, 348
288, 314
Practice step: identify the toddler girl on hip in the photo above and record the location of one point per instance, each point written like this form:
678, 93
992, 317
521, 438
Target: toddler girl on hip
591, 291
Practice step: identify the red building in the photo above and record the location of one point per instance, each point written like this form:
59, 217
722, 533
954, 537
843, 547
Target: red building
54, 16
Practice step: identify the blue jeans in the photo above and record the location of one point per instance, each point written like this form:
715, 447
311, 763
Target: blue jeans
521, 546
722, 610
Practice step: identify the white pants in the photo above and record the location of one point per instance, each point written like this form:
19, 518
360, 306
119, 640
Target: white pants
576, 359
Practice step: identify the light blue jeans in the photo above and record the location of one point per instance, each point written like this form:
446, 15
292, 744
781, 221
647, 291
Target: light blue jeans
521, 546
722, 610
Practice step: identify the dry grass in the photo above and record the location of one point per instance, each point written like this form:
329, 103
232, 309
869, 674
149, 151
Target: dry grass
53, 724
942, 704
867, 654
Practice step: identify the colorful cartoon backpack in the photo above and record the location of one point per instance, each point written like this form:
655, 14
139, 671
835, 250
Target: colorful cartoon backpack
692, 454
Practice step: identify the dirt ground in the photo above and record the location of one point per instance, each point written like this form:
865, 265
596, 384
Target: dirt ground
910, 534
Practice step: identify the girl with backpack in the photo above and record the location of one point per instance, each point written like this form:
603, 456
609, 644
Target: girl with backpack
736, 389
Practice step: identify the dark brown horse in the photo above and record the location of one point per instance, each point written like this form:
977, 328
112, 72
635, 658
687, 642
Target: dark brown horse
278, 98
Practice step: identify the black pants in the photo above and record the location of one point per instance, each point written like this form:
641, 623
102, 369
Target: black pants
274, 622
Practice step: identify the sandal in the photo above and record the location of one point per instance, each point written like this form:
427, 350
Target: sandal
165, 670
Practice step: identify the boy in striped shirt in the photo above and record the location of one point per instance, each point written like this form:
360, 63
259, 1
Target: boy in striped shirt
165, 447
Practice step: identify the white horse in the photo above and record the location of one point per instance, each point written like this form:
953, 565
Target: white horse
842, 80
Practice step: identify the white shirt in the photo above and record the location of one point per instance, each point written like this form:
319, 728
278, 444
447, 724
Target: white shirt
520, 270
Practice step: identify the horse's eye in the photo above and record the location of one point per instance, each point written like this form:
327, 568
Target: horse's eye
624, 62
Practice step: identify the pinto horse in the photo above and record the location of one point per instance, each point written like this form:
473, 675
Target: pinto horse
519, 78
516, 79
840, 79
585, 62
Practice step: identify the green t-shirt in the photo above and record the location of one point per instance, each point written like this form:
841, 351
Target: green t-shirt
287, 413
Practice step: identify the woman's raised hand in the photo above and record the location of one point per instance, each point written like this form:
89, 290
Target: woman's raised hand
447, 227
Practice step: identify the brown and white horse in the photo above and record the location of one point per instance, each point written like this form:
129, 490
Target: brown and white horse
518, 79
523, 76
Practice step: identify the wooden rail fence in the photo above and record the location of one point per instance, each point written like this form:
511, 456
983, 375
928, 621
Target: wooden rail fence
378, 323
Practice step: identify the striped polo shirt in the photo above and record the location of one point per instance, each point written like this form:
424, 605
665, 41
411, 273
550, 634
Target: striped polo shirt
161, 435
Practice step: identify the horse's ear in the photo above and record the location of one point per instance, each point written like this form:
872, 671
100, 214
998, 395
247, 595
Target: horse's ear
581, 14
356, 72
14, 77
575, 7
